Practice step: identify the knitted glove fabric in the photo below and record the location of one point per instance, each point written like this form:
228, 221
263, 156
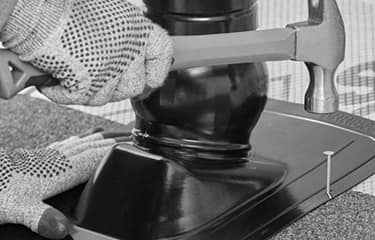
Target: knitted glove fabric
28, 177
6, 8
101, 51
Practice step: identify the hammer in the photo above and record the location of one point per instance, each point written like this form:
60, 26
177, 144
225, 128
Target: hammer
319, 42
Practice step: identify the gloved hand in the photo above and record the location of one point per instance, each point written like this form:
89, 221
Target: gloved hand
100, 50
28, 177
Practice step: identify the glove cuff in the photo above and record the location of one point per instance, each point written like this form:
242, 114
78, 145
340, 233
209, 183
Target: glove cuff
31, 23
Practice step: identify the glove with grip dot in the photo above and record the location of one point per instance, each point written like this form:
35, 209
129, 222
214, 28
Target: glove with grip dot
100, 50
29, 177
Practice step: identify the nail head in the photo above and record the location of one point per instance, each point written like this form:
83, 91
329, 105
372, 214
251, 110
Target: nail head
328, 153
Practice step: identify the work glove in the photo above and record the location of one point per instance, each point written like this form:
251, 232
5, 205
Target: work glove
100, 50
28, 177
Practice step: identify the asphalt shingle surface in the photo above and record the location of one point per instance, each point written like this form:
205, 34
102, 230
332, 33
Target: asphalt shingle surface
29, 122
350, 216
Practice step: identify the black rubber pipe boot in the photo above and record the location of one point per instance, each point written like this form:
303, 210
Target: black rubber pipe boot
189, 174
203, 114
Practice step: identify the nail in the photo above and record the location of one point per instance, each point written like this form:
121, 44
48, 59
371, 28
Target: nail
329, 155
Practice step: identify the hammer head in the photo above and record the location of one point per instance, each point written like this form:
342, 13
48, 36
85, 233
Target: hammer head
320, 43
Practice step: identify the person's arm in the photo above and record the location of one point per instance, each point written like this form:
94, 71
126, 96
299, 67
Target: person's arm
6, 8
98, 52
